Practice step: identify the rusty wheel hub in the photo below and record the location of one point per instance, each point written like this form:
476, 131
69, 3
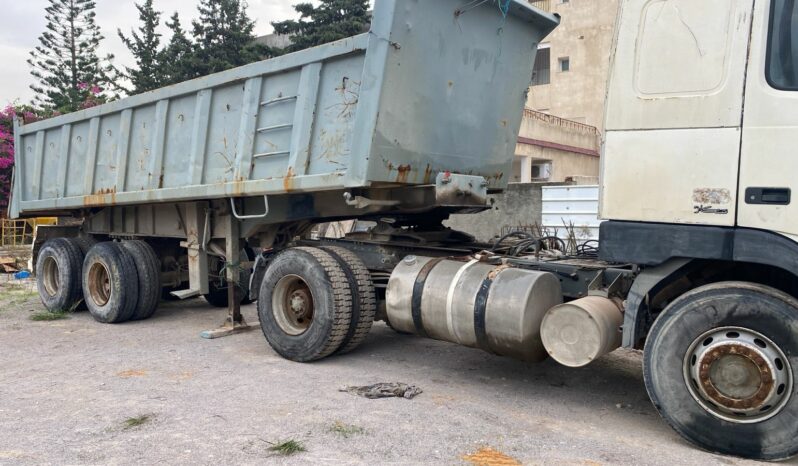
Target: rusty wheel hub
292, 305
738, 375
99, 282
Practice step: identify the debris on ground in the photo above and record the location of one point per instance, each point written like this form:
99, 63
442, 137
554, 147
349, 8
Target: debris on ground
8, 264
384, 390
489, 457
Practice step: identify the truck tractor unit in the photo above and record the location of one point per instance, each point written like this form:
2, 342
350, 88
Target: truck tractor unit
217, 187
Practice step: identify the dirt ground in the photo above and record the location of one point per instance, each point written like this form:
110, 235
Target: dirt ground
74, 391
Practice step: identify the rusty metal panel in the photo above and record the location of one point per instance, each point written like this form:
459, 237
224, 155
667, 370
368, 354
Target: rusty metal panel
433, 87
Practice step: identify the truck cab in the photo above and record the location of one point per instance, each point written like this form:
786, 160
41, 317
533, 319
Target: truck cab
702, 115
698, 173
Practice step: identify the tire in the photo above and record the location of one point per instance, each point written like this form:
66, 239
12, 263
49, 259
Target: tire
58, 274
739, 310
148, 269
110, 283
217, 295
84, 243
364, 303
315, 281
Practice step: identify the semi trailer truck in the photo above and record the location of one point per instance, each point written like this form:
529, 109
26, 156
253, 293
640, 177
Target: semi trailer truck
212, 187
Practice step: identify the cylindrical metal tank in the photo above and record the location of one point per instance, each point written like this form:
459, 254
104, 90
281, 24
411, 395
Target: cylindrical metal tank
495, 308
578, 332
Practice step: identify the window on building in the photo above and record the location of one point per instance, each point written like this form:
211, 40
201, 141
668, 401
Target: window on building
541, 72
541, 171
565, 64
782, 60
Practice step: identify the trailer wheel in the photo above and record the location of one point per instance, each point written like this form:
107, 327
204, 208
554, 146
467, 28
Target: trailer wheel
305, 304
58, 272
364, 302
217, 292
148, 269
720, 364
110, 283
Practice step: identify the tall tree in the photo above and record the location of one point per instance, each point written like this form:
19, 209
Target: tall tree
330, 21
223, 37
144, 44
67, 69
177, 57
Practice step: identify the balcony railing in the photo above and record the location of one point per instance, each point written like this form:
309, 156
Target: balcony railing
561, 122
544, 5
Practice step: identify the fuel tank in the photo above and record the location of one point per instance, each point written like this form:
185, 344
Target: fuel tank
498, 309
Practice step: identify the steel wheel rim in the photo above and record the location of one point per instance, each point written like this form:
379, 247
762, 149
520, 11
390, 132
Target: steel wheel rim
99, 281
292, 305
738, 375
50, 276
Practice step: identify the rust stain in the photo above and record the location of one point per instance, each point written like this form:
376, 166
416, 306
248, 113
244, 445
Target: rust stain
106, 196
238, 185
404, 171
132, 373
288, 180
487, 456
495, 272
428, 175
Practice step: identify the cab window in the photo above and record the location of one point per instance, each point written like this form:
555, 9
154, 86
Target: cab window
782, 60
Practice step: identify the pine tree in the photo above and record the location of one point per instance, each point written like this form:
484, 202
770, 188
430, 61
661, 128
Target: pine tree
177, 57
144, 44
223, 37
65, 64
331, 20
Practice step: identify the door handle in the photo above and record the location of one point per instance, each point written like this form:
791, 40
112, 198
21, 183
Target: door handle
769, 196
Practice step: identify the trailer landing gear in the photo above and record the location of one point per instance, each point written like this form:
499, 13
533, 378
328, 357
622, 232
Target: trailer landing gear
234, 322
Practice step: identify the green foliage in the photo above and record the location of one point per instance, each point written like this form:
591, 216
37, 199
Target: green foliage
49, 315
68, 72
223, 37
144, 44
137, 421
177, 57
287, 448
330, 21
346, 430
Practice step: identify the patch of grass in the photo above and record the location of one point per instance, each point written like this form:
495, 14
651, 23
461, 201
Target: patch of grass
346, 430
17, 296
48, 315
137, 421
287, 448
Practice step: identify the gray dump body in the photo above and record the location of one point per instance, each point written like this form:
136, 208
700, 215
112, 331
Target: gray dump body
436, 85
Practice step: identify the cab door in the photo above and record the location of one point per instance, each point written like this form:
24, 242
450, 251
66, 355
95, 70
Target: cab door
768, 190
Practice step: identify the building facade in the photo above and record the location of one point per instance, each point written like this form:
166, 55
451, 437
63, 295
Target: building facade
560, 136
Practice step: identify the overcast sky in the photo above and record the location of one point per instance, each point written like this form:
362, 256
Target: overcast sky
23, 22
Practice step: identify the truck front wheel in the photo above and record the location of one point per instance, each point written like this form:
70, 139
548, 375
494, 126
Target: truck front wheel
720, 364
305, 304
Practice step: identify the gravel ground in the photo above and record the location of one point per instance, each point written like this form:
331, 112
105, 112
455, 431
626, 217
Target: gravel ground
71, 389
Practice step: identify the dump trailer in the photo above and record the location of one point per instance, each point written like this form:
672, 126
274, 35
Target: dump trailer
217, 187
